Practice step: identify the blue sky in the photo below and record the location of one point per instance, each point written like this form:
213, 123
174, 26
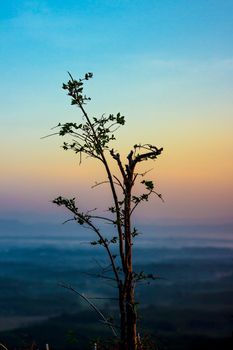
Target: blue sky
108, 34
167, 65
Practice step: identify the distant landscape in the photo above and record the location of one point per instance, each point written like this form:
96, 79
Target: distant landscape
189, 306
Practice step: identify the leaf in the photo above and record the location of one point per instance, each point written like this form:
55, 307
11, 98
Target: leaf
149, 185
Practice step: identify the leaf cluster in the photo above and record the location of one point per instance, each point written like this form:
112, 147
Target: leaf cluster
80, 217
75, 89
150, 152
140, 276
91, 138
103, 241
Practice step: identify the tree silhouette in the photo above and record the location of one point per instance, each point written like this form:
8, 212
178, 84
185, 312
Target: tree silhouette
92, 137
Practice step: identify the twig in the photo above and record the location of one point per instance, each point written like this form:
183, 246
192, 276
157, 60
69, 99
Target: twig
100, 298
104, 182
3, 346
68, 286
99, 276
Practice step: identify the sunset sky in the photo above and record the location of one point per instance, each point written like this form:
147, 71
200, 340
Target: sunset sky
166, 65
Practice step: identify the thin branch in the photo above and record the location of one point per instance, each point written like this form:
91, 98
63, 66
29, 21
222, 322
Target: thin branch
100, 183
141, 174
99, 298
104, 182
159, 195
145, 172
119, 183
3, 346
68, 221
91, 210
98, 276
151, 191
135, 206
92, 217
96, 230
102, 218
116, 128
103, 268
110, 324
98, 263
68, 286
44, 137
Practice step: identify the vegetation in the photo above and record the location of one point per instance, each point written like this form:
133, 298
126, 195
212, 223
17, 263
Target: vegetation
92, 138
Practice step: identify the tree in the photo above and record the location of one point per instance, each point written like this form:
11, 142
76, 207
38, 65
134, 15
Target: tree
92, 138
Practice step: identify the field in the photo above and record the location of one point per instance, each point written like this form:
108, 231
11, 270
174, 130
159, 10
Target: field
190, 306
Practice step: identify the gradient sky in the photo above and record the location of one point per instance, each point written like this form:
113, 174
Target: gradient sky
166, 65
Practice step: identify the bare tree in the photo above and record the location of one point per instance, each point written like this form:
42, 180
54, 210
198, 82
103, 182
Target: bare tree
92, 137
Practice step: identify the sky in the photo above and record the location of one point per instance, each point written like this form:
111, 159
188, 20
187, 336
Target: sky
166, 65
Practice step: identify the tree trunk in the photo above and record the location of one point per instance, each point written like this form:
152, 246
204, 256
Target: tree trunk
123, 336
131, 319
131, 316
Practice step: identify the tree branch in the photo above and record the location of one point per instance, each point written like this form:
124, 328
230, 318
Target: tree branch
68, 286
70, 205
